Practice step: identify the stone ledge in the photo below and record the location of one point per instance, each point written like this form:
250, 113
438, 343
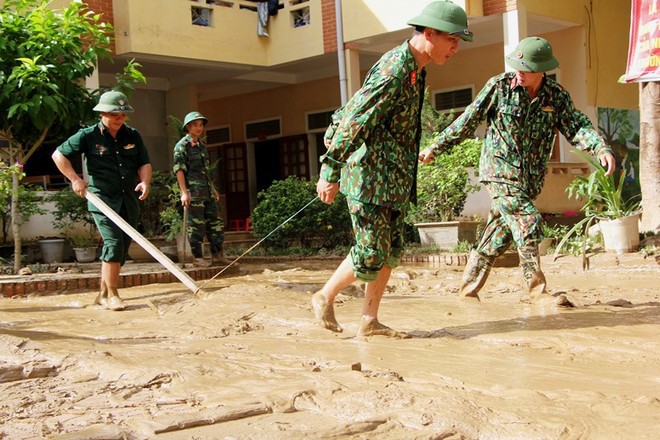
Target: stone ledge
69, 282
509, 259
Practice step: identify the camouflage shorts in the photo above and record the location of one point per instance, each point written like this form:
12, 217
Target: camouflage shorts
512, 217
378, 234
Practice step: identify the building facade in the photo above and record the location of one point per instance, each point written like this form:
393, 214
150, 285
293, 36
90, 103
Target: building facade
269, 98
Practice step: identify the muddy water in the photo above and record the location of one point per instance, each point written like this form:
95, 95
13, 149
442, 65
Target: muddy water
248, 361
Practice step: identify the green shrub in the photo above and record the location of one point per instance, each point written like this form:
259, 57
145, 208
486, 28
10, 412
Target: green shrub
150, 224
318, 226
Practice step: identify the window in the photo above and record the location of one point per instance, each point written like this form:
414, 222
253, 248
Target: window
262, 129
202, 12
456, 99
220, 135
299, 13
319, 120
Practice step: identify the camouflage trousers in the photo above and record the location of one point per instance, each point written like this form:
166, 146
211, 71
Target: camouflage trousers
512, 218
204, 220
378, 234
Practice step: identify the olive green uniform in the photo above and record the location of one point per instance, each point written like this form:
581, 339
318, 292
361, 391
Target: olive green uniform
203, 214
112, 165
372, 151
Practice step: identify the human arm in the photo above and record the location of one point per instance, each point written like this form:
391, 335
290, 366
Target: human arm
144, 173
580, 132
465, 125
78, 185
185, 194
353, 124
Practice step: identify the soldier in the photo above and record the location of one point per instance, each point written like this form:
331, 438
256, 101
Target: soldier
118, 166
191, 168
522, 109
373, 143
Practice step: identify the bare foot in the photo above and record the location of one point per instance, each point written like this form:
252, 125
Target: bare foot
325, 313
471, 297
371, 327
115, 303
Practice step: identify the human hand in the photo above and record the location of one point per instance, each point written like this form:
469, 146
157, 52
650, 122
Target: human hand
79, 186
143, 189
327, 191
185, 198
608, 161
426, 156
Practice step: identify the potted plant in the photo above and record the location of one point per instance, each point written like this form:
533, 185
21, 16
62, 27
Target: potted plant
442, 189
616, 215
76, 222
172, 222
443, 186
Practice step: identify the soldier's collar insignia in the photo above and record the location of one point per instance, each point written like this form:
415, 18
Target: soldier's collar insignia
413, 77
129, 146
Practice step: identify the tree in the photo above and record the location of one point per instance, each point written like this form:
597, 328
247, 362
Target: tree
649, 154
45, 56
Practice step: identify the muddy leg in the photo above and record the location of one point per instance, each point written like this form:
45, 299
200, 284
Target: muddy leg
323, 300
110, 273
475, 275
325, 313
535, 280
102, 297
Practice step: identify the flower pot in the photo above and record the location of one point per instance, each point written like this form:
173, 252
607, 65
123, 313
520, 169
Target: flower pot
170, 251
447, 234
52, 250
85, 254
621, 235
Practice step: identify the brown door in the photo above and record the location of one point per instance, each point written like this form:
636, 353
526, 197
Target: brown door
232, 179
294, 157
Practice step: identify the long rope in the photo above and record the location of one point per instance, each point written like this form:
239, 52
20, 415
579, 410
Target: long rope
259, 242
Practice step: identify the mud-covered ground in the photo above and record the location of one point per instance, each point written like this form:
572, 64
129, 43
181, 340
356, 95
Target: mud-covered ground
248, 360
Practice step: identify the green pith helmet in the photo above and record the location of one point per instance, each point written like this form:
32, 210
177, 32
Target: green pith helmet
194, 116
444, 16
113, 102
533, 54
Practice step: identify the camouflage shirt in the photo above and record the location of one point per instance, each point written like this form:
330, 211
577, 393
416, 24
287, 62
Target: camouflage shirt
373, 140
520, 131
193, 159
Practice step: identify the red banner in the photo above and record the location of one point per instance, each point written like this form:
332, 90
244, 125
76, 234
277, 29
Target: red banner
644, 45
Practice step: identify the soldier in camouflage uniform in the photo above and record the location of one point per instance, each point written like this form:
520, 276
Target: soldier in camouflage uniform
373, 143
522, 110
191, 168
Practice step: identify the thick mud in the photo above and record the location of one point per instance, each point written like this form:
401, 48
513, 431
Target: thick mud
246, 360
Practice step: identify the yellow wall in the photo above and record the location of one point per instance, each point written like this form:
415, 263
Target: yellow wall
606, 26
289, 103
142, 27
365, 18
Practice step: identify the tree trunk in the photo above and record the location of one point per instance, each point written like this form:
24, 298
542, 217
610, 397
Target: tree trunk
649, 154
15, 223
